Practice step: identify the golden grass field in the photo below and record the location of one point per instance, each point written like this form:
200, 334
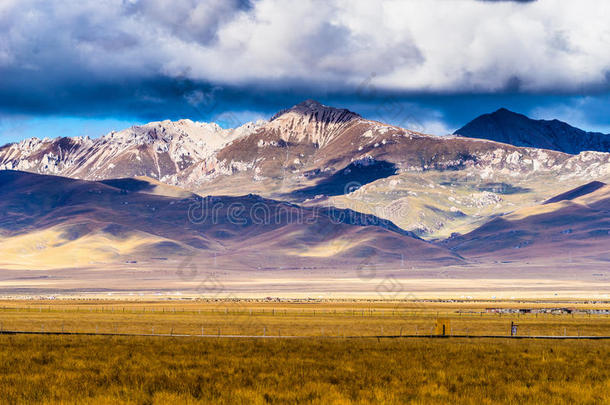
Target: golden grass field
299, 318
94, 369
154, 369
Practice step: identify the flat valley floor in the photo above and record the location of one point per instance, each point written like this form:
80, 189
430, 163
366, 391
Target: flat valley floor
554, 279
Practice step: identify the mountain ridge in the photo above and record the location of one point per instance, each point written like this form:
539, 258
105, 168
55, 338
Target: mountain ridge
315, 154
517, 129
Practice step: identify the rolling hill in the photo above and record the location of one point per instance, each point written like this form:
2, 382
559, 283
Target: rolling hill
54, 222
572, 226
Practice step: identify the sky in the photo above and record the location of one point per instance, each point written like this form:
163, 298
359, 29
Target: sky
84, 68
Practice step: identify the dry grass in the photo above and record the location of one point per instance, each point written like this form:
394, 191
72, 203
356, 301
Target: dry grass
147, 370
300, 319
52, 369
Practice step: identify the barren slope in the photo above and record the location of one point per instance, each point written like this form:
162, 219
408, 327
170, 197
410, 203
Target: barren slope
575, 226
51, 222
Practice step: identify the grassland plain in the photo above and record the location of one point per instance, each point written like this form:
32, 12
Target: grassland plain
324, 368
153, 370
330, 318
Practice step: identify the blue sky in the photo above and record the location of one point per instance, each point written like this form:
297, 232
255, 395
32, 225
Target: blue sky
70, 68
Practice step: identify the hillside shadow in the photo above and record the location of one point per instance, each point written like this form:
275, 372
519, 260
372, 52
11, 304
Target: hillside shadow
129, 185
503, 188
347, 180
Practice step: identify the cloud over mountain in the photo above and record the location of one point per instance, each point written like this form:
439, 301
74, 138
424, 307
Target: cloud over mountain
157, 59
451, 46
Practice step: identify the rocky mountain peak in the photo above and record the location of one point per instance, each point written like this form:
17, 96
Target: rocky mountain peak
312, 122
315, 111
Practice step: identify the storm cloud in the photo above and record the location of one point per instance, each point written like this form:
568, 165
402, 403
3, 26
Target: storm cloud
152, 58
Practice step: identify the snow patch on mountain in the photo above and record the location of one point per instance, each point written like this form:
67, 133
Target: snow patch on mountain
161, 149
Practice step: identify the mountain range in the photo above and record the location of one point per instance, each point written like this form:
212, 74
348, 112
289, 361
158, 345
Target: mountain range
314, 187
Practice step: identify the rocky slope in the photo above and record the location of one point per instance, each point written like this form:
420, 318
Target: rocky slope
299, 146
517, 129
289, 154
160, 150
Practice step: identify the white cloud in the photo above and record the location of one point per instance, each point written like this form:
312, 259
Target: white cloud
437, 128
233, 119
436, 45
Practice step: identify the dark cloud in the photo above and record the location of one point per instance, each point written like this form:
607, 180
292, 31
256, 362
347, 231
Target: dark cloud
403, 62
